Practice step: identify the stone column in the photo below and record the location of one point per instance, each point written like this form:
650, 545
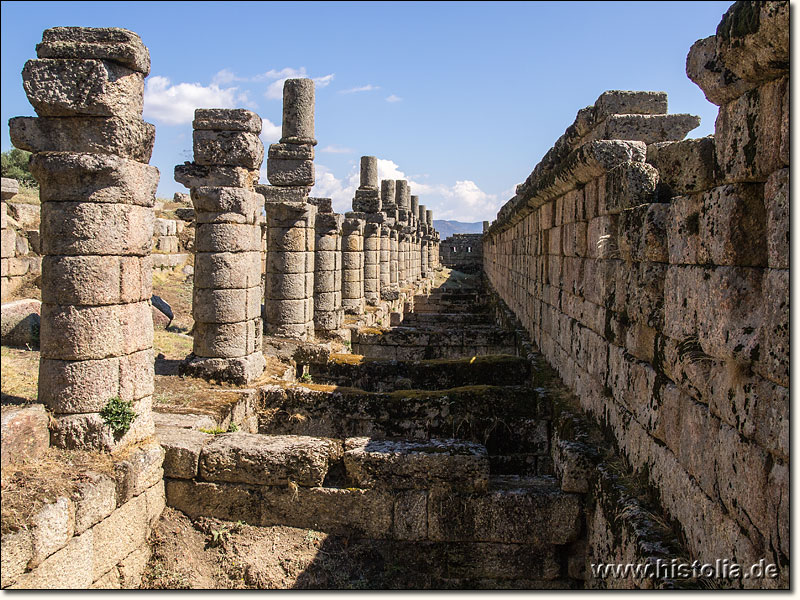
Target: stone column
353, 264
10, 188
388, 193
367, 198
385, 258
372, 253
226, 303
289, 287
485, 226
394, 258
90, 152
328, 313
415, 248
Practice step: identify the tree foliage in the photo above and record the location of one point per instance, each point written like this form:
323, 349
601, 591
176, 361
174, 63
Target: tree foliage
15, 166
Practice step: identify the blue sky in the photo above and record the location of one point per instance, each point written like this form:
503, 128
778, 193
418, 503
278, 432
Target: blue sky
462, 99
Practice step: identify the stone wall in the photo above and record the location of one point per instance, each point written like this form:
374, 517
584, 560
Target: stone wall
463, 252
652, 273
19, 224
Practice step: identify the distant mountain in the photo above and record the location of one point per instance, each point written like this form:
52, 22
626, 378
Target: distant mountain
448, 228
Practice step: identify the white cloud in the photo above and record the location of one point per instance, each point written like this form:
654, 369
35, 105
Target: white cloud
333, 149
364, 88
340, 192
394, 98
175, 104
275, 89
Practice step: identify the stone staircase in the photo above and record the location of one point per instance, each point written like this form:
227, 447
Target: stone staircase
442, 464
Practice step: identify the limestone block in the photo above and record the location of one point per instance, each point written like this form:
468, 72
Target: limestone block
239, 371
601, 237
168, 243
287, 311
95, 498
295, 262
365, 513
685, 167
644, 128
138, 469
88, 432
642, 233
748, 134
526, 513
228, 148
10, 188
411, 464
290, 172
82, 178
294, 239
24, 433
69, 568
155, 499
704, 67
226, 305
227, 340
129, 138
725, 226
776, 201
624, 102
226, 119
96, 280
193, 175
182, 450
18, 266
51, 528
628, 185
9, 243
121, 533
410, 516
234, 205
275, 194
132, 567
85, 386
20, 322
772, 357
268, 460
16, 550
103, 43
227, 237
218, 270
109, 581
94, 332
219, 500
73, 88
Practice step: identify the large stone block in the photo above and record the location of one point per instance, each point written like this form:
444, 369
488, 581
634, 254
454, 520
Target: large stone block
227, 203
72, 177
228, 148
235, 502
51, 528
137, 469
85, 386
69, 568
628, 185
685, 167
94, 332
226, 119
217, 270
226, 305
239, 371
87, 431
193, 175
127, 138
644, 128
748, 134
95, 498
227, 340
25, 435
290, 172
771, 356
227, 237
16, 549
121, 533
776, 202
96, 280
531, 512
182, 449
413, 464
102, 43
642, 233
268, 460
73, 88
20, 323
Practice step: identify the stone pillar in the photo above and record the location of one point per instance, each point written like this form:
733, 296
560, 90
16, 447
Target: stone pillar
485, 226
226, 302
289, 286
353, 264
394, 258
414, 202
328, 313
367, 198
385, 258
388, 204
90, 152
402, 200
372, 254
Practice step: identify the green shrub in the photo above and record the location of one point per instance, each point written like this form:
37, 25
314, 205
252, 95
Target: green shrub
15, 165
118, 415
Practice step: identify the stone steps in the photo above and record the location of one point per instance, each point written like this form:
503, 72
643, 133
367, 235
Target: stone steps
408, 343
440, 319
506, 419
390, 375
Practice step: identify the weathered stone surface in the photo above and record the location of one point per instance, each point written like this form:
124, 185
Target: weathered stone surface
227, 201
93, 332
233, 502
51, 528
86, 385
227, 340
97, 280
239, 370
103, 43
524, 511
298, 112
127, 138
193, 175
413, 464
138, 469
19, 323
278, 194
227, 237
72, 177
290, 172
297, 152
704, 66
182, 449
121, 533
369, 172
10, 188
16, 549
226, 119
228, 148
645, 128
776, 202
628, 185
25, 434
748, 134
74, 88
268, 460
69, 568
227, 270
95, 498
685, 167
87, 431
132, 567
226, 305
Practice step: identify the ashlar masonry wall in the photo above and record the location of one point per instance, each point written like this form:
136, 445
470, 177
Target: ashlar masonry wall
653, 275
